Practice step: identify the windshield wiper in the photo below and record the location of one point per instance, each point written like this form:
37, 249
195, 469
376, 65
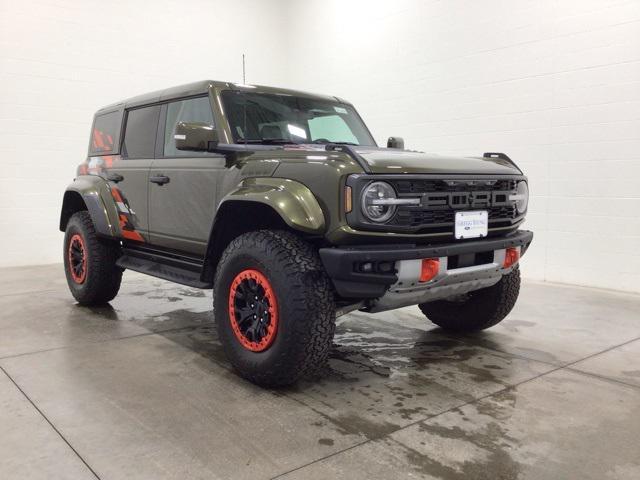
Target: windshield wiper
335, 143
267, 141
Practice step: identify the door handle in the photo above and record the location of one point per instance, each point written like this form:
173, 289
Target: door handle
114, 177
159, 179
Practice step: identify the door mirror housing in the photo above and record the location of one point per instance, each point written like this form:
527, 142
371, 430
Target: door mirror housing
395, 142
195, 136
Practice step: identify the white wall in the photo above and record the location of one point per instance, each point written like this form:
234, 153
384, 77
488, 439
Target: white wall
555, 84
62, 60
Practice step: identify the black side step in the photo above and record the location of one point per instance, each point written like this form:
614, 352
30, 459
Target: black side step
168, 266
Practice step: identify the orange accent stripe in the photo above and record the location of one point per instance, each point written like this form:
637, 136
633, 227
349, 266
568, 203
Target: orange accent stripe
128, 234
116, 194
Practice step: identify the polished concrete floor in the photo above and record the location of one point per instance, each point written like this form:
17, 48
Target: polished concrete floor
141, 390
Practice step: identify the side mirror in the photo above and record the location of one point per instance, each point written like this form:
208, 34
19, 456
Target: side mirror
195, 136
395, 142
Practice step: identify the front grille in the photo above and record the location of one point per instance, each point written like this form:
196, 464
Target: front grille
418, 186
442, 198
416, 218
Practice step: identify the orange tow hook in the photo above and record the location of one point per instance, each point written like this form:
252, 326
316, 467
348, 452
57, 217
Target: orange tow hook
430, 268
511, 257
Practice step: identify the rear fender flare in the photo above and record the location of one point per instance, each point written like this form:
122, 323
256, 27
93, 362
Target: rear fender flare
97, 196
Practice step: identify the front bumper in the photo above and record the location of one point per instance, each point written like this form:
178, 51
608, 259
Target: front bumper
343, 265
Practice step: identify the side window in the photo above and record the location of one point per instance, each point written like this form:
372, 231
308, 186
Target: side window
140, 132
191, 110
105, 129
332, 128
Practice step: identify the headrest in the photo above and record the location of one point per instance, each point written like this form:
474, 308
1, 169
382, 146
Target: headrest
269, 132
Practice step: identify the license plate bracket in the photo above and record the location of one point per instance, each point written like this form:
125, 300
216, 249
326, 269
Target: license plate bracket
473, 224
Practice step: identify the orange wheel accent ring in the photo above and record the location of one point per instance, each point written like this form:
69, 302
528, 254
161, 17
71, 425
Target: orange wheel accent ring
77, 259
253, 310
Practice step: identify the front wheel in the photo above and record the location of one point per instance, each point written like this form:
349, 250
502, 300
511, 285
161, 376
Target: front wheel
273, 307
90, 263
476, 310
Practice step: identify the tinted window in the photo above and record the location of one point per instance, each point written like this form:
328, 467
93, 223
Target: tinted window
140, 132
105, 129
280, 119
191, 110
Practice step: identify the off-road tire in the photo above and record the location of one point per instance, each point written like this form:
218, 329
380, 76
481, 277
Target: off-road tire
305, 307
102, 279
476, 310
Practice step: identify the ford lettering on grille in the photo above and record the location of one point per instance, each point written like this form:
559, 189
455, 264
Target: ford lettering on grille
462, 200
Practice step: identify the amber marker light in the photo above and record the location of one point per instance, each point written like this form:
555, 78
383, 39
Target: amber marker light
348, 200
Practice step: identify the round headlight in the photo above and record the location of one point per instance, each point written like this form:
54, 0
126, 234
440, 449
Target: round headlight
522, 197
377, 202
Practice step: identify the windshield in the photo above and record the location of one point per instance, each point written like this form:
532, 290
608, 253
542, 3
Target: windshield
281, 119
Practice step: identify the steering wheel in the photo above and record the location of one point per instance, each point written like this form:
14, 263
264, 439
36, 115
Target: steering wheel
321, 140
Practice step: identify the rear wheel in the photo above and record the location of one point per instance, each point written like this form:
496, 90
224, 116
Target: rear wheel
90, 263
476, 310
273, 307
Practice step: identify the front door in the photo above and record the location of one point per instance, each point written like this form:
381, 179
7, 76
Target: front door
128, 173
183, 185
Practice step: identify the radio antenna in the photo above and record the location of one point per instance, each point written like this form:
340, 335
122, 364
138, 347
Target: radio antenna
244, 109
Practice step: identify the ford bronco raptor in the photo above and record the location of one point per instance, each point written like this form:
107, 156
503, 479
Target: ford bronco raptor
282, 203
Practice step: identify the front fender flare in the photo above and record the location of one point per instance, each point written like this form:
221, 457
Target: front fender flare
293, 201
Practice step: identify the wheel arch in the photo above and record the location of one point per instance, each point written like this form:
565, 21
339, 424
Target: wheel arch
262, 206
72, 202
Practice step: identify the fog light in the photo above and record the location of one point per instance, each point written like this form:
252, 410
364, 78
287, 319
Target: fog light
386, 267
430, 268
366, 267
511, 257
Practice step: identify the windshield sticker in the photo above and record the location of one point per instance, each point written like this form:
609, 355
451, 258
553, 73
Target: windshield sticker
297, 131
340, 110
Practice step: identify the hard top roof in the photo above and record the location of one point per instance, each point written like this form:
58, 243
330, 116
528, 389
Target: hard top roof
203, 87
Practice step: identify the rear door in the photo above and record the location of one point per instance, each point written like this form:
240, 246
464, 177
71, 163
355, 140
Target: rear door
128, 174
182, 204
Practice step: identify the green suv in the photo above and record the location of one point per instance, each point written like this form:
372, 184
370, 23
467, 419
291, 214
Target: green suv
282, 203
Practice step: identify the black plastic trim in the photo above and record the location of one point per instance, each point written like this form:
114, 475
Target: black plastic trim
349, 150
339, 261
173, 266
97, 213
503, 156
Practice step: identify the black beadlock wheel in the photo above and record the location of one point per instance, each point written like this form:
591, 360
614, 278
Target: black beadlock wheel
90, 263
273, 307
476, 310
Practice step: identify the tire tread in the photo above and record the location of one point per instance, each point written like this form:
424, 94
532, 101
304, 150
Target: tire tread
310, 301
103, 275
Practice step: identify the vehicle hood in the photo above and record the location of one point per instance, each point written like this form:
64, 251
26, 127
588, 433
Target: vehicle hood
390, 161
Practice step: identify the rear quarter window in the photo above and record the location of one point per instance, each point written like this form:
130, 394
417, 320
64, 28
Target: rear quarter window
104, 134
